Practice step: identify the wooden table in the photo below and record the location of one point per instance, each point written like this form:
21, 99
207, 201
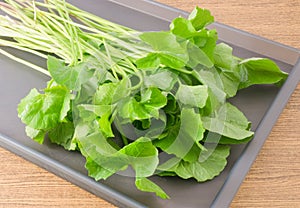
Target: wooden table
274, 179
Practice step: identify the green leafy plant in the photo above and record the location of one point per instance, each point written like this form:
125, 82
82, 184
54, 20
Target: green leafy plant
148, 101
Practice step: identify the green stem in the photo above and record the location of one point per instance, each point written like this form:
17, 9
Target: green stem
30, 65
18, 46
53, 31
110, 59
184, 71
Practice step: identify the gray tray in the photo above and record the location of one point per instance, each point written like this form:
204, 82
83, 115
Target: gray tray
261, 104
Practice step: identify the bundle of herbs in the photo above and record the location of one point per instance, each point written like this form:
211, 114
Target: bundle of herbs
153, 102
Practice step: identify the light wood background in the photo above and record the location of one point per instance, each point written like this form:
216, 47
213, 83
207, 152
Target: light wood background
274, 179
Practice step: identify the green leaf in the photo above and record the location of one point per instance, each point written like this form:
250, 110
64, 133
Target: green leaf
201, 43
183, 139
169, 165
216, 95
155, 59
61, 73
228, 121
172, 60
86, 93
223, 56
100, 154
153, 97
172, 51
193, 96
105, 125
198, 56
35, 134
212, 137
167, 50
230, 80
182, 27
151, 61
151, 101
96, 171
45, 111
32, 95
163, 42
162, 79
206, 40
96, 147
260, 71
105, 94
89, 112
145, 184
133, 110
62, 135
209, 165
136, 154
228, 68
172, 106
200, 18
112, 92
139, 153
70, 76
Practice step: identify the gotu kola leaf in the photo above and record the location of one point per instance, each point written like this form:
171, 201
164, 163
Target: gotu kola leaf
193, 96
45, 111
228, 121
167, 51
183, 138
200, 18
71, 76
136, 154
260, 71
210, 163
151, 101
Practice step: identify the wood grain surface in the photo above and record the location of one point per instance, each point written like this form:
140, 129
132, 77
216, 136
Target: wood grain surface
274, 179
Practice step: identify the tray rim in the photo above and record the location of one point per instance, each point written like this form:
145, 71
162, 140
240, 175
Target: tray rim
224, 196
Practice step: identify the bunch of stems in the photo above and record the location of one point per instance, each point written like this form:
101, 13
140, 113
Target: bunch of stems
58, 28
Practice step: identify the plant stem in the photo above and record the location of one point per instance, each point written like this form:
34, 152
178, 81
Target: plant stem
53, 31
30, 65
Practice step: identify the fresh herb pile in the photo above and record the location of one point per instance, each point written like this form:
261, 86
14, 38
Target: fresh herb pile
153, 102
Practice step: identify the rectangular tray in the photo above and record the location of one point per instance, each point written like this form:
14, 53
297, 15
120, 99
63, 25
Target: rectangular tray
261, 104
